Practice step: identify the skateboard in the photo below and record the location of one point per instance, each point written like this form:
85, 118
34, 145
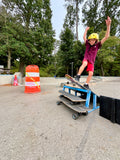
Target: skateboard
71, 97
78, 108
77, 83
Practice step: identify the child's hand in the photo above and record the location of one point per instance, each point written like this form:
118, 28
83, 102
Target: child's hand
108, 21
87, 28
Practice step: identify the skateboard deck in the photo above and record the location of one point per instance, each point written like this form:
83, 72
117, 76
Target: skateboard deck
72, 97
77, 108
74, 81
77, 83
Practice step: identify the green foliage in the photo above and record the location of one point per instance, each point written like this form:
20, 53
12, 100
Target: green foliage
15, 67
72, 17
70, 52
90, 12
107, 57
47, 71
107, 61
95, 12
28, 32
111, 8
79, 50
60, 71
69, 21
66, 48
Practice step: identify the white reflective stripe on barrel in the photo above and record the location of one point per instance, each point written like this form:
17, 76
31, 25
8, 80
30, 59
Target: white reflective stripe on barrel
32, 83
32, 74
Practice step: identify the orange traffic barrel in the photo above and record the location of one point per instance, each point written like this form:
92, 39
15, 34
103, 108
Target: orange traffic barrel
32, 79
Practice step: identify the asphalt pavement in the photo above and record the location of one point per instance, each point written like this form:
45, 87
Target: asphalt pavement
34, 127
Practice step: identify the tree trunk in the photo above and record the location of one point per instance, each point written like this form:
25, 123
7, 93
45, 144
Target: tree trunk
77, 20
102, 71
21, 67
9, 59
67, 69
9, 53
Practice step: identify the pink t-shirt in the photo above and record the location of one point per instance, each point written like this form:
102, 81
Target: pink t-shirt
91, 51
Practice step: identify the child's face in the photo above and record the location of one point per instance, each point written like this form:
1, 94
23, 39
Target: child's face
92, 41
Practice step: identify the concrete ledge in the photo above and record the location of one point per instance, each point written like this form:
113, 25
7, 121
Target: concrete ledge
60, 80
8, 79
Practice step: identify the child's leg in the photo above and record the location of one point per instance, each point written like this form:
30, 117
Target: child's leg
90, 74
90, 70
82, 67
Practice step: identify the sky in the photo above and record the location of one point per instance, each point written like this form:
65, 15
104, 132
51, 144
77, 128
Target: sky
58, 15
59, 12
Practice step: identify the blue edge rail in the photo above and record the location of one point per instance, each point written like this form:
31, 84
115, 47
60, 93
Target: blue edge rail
87, 97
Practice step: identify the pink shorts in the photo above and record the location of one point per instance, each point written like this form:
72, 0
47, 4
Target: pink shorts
90, 66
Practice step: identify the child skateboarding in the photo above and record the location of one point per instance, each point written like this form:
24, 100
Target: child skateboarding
92, 46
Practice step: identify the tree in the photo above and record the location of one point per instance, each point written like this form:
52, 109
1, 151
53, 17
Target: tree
72, 17
79, 50
112, 8
95, 12
108, 55
13, 38
37, 35
116, 66
65, 53
48, 35
90, 14
69, 21
7, 34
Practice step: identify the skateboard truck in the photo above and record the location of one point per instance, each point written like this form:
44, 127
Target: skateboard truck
77, 115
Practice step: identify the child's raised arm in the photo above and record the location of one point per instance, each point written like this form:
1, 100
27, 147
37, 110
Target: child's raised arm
108, 24
85, 33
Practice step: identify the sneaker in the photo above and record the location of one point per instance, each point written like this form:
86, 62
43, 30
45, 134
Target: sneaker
77, 78
86, 86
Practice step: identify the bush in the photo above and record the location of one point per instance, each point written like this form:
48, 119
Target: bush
48, 71
61, 71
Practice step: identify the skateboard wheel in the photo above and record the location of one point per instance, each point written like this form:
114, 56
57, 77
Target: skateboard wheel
67, 82
75, 116
61, 95
58, 102
74, 84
